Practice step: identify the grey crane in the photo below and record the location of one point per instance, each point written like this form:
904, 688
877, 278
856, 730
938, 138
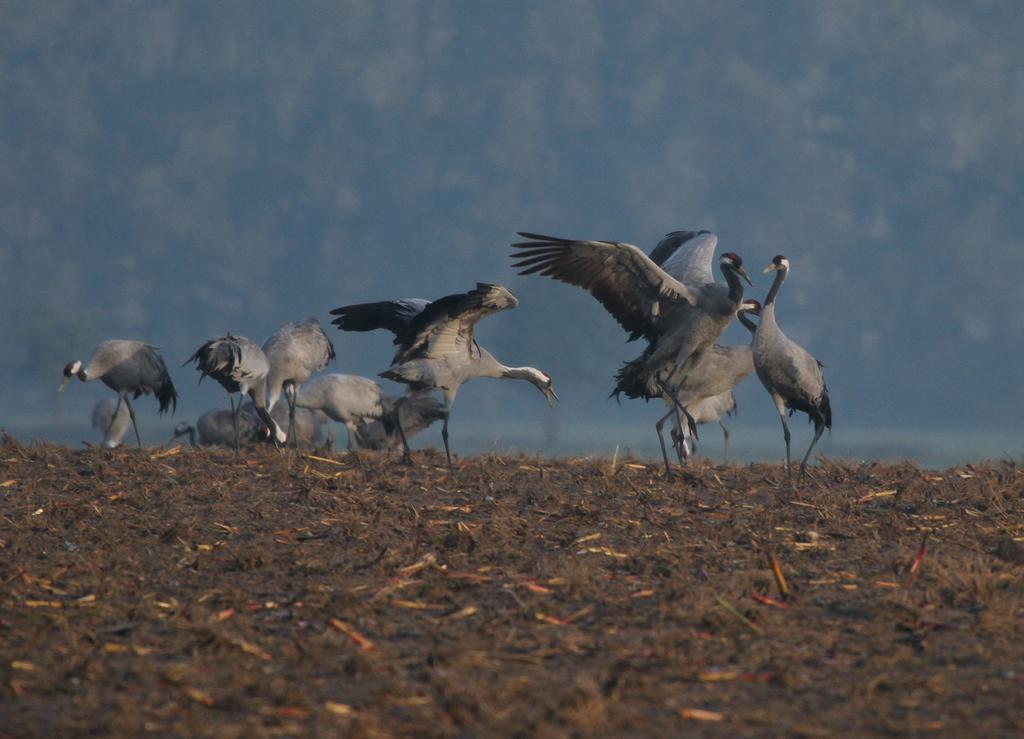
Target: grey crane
436, 346
127, 367
112, 420
792, 377
294, 352
238, 365
706, 390
417, 411
347, 399
677, 306
217, 427
356, 401
705, 410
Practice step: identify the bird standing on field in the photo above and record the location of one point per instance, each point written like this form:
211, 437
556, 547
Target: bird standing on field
677, 305
294, 352
239, 366
436, 346
792, 377
348, 399
217, 427
706, 390
414, 412
112, 420
127, 367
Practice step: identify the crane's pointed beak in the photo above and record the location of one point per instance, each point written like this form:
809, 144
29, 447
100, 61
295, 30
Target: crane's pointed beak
552, 398
63, 385
770, 268
743, 273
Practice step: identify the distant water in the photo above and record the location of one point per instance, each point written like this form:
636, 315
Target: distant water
748, 442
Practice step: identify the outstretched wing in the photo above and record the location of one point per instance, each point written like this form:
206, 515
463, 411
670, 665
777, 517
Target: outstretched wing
446, 326
687, 256
626, 281
393, 315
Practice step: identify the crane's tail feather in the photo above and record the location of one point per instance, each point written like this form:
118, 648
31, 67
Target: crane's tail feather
167, 396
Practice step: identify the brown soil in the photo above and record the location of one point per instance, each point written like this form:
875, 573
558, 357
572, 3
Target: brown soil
184, 592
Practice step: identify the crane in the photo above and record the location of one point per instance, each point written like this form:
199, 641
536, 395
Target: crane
356, 401
294, 352
127, 367
792, 377
112, 420
436, 346
239, 366
217, 427
707, 389
677, 306
418, 411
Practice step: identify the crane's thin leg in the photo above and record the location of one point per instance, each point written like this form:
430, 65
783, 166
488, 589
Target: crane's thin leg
406, 453
661, 440
131, 413
785, 432
819, 428
689, 419
725, 439
234, 417
444, 435
449, 401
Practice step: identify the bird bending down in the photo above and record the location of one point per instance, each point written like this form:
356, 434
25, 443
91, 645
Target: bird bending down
706, 391
239, 366
792, 377
353, 401
294, 352
127, 367
217, 427
436, 346
413, 413
112, 420
707, 410
676, 305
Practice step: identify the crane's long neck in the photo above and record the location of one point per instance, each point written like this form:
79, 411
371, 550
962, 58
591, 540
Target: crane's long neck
188, 431
747, 323
780, 277
258, 393
735, 286
530, 374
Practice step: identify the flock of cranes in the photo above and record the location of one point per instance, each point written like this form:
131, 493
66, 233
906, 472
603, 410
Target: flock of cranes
669, 297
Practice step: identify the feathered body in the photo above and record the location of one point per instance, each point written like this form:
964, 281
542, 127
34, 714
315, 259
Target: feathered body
436, 345
792, 377
670, 298
128, 368
111, 418
369, 416
706, 390
294, 352
216, 427
239, 365
687, 256
415, 412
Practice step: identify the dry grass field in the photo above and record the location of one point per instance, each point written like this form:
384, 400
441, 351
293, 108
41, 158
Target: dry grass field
184, 592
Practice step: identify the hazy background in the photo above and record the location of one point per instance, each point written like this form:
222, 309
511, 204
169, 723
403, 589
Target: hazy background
174, 170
